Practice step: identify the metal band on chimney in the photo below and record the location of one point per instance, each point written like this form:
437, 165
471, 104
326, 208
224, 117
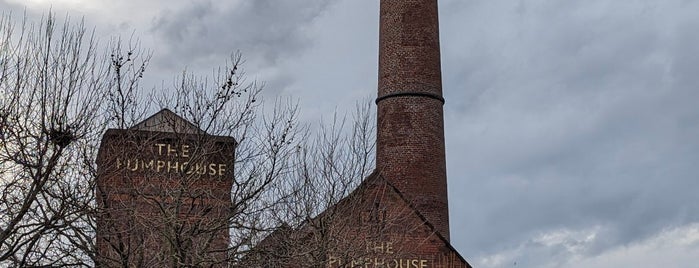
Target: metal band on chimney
411, 94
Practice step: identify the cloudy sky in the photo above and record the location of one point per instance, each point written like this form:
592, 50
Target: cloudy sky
572, 127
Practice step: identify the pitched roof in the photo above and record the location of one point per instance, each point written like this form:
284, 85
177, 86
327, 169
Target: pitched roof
373, 180
376, 175
167, 121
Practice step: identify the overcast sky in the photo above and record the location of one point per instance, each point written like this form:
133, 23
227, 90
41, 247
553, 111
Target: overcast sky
572, 127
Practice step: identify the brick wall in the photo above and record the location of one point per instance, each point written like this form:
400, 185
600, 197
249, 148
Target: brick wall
373, 227
410, 137
157, 189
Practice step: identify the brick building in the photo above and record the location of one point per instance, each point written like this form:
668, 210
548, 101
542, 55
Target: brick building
398, 217
163, 189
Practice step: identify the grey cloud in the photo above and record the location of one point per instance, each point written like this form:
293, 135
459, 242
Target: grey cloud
9, 8
561, 116
263, 30
570, 115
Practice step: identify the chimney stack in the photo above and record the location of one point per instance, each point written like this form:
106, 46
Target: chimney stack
410, 132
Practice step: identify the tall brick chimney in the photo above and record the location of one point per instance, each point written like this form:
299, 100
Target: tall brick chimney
410, 133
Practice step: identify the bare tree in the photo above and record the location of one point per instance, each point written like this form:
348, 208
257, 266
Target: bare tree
51, 83
223, 106
59, 97
334, 211
326, 171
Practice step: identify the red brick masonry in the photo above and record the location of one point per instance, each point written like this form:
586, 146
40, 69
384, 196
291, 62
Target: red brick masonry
410, 138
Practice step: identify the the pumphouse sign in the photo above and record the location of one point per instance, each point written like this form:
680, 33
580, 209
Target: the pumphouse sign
174, 158
163, 190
